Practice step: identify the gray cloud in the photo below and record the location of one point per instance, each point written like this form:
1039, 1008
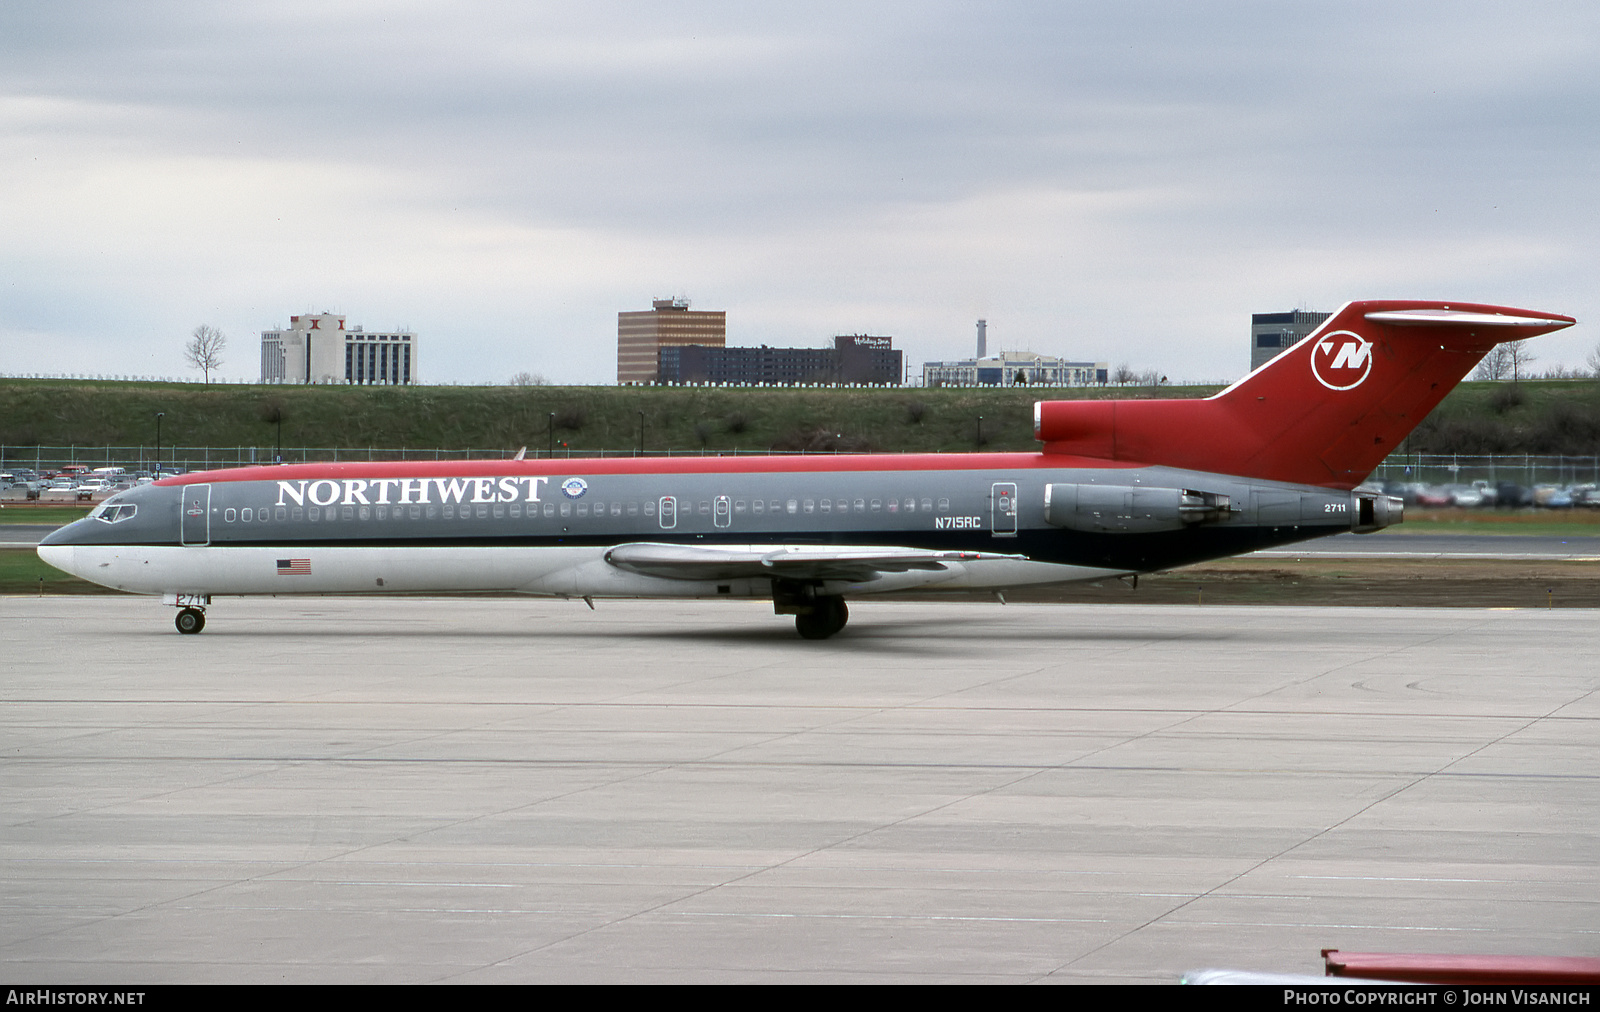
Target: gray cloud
1106, 181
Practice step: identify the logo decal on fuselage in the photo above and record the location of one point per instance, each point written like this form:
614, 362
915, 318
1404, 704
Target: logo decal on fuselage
572, 488
1341, 360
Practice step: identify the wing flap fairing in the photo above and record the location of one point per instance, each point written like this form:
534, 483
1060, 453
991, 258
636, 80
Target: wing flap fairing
857, 564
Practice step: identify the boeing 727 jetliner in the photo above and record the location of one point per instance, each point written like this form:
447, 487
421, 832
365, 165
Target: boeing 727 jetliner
1120, 487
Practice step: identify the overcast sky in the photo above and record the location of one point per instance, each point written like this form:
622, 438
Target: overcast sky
1124, 182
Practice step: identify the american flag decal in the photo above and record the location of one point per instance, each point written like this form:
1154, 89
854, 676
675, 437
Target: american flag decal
294, 567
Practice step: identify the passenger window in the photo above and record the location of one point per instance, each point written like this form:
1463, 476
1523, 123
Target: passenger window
280, 514
349, 513
314, 514
704, 509
944, 504
861, 505
499, 512
366, 512
911, 505
298, 513
566, 509
247, 514
810, 506
228, 515
449, 512
381, 512
739, 505
927, 505
894, 506
649, 509
616, 509
793, 506
633, 509
827, 505
583, 509
759, 506
549, 509
433, 511
877, 504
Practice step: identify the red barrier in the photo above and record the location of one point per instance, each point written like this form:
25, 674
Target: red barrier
1424, 968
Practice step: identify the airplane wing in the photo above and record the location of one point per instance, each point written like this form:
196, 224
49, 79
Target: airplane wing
856, 564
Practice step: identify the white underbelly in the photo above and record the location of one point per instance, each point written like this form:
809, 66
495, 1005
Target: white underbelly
563, 571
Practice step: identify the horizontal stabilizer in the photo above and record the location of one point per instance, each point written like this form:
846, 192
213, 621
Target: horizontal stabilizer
1464, 318
786, 562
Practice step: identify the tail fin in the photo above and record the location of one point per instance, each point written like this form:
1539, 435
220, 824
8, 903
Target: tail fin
1325, 412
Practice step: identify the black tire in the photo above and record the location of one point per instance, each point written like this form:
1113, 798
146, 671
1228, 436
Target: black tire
828, 616
191, 621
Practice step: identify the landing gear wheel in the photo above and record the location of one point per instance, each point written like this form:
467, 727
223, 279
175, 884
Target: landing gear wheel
828, 615
191, 621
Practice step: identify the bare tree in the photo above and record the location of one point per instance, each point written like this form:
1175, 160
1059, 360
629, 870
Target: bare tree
1594, 361
529, 379
205, 348
1521, 358
1123, 375
1495, 366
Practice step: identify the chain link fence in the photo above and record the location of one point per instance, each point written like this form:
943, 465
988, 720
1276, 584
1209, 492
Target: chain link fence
1525, 470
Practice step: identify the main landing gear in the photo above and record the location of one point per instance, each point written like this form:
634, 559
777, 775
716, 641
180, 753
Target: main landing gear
816, 616
828, 615
191, 620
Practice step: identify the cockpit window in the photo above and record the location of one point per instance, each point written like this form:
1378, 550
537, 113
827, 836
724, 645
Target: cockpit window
114, 514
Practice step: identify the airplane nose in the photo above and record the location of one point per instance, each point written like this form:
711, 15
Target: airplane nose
63, 535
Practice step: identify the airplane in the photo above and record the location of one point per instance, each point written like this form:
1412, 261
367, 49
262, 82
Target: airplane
1119, 488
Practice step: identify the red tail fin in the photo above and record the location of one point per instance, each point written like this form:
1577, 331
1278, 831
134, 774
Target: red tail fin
1325, 412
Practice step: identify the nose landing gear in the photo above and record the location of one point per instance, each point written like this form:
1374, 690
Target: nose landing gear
192, 616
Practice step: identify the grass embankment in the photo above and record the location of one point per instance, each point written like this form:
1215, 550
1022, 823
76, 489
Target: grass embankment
1534, 416
1567, 523
1545, 416
23, 572
32, 513
70, 413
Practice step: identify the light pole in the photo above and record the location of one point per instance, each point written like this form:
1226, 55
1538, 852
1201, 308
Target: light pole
159, 415
552, 453
641, 433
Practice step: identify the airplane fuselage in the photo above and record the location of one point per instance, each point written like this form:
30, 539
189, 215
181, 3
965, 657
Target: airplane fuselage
547, 527
1121, 487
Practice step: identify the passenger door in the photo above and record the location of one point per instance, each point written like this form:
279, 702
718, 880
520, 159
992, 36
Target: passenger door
194, 520
1003, 509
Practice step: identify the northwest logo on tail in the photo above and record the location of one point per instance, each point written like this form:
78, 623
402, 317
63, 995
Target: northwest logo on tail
1341, 360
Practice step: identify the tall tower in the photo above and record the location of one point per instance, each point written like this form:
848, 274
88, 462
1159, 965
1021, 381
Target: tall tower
983, 338
669, 323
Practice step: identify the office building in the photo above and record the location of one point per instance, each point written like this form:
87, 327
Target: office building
669, 323
318, 348
1271, 333
854, 359
1014, 368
